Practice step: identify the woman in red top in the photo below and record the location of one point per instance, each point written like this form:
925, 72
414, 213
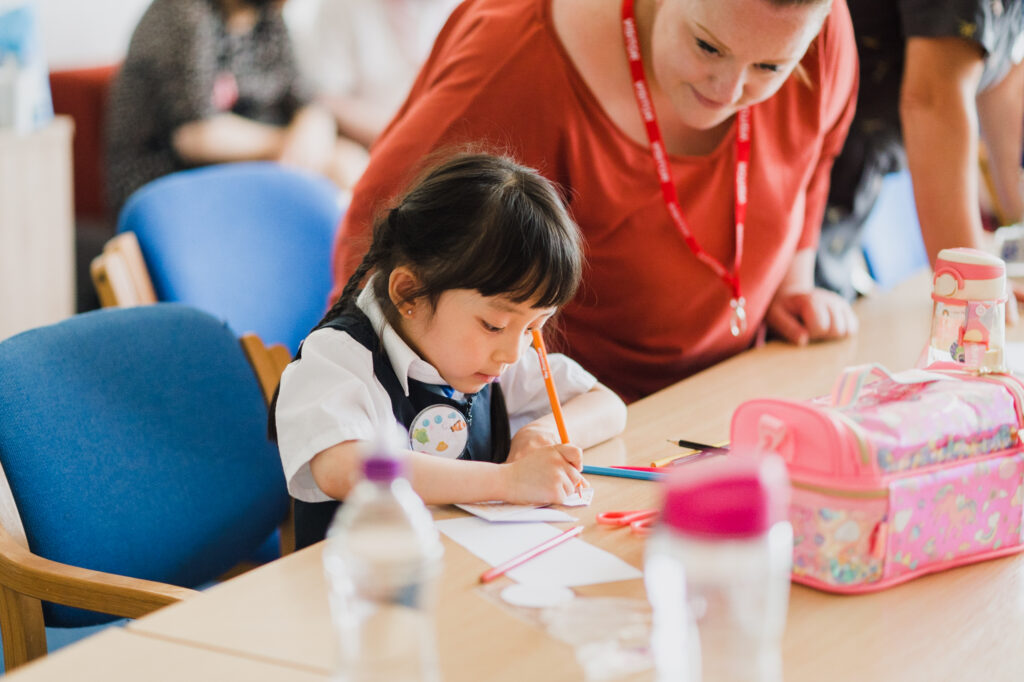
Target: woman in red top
736, 107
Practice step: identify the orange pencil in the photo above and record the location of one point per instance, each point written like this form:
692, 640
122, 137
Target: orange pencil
501, 569
556, 408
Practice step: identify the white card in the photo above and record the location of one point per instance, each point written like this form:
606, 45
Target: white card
514, 513
572, 563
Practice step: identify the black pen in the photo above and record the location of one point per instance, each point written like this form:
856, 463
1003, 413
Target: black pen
703, 447
704, 451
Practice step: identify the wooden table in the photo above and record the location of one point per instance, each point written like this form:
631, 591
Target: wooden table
964, 624
120, 654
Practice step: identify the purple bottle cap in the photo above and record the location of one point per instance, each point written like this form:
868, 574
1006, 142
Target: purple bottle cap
381, 468
735, 496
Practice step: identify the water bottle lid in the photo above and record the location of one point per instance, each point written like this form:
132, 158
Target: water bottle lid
968, 274
381, 468
734, 496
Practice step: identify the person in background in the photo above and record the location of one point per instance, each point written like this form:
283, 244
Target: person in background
363, 55
690, 248
212, 81
933, 74
436, 346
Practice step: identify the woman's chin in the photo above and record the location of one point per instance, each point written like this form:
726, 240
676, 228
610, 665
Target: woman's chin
706, 119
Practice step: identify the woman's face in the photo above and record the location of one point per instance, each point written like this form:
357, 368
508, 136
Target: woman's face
711, 58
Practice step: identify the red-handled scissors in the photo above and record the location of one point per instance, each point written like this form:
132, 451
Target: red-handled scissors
640, 521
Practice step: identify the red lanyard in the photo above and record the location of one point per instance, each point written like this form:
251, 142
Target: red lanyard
738, 321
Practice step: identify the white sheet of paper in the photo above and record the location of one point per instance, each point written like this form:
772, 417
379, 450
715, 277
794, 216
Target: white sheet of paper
519, 513
515, 513
571, 564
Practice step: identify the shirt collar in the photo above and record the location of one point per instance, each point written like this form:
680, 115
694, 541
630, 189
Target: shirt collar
406, 363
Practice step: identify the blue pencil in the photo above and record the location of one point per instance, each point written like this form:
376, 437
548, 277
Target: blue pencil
622, 473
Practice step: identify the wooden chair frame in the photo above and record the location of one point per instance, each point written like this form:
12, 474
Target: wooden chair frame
120, 274
26, 579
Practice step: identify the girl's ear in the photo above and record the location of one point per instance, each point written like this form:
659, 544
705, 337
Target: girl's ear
402, 286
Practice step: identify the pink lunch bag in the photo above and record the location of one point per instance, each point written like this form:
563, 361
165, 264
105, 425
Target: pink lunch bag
907, 475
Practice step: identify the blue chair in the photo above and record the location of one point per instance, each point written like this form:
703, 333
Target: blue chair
891, 238
247, 242
135, 467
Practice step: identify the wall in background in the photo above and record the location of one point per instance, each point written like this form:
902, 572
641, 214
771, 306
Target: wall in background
84, 33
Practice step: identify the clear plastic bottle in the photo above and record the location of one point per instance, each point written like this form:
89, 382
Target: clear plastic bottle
382, 561
717, 571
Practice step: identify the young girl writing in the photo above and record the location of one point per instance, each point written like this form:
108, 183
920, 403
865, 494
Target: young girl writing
479, 253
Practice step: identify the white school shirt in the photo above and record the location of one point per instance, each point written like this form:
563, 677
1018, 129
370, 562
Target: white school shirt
331, 395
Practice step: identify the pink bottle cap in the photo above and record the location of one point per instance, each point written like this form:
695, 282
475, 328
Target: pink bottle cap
735, 496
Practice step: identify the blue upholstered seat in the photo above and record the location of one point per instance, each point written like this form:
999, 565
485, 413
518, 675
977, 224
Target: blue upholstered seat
247, 242
134, 443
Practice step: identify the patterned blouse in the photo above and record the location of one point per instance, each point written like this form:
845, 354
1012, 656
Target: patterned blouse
182, 66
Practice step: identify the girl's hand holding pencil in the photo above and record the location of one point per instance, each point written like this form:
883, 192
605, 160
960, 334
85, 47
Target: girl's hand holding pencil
543, 466
542, 476
534, 436
535, 441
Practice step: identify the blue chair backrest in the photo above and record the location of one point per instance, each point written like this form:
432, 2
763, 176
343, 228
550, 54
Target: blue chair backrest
248, 242
891, 239
134, 441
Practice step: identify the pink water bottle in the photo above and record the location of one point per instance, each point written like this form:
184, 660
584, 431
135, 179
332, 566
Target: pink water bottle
969, 314
717, 571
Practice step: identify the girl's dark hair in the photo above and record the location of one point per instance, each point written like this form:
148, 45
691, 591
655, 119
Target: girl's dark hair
475, 221
259, 4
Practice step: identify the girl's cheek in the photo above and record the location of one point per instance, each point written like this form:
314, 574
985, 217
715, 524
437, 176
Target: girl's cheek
524, 342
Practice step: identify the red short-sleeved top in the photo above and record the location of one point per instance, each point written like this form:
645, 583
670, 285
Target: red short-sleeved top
648, 313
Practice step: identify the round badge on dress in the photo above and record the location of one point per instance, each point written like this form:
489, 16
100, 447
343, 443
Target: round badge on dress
439, 430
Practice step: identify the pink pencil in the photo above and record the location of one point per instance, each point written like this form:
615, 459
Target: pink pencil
657, 469
500, 570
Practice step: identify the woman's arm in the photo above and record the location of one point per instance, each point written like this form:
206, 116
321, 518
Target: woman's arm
308, 141
939, 119
225, 138
1001, 116
545, 477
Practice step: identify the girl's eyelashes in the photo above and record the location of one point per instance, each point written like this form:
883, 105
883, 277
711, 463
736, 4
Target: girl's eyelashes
708, 47
770, 68
490, 327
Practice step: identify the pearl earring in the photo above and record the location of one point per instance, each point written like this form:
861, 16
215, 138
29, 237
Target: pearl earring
409, 311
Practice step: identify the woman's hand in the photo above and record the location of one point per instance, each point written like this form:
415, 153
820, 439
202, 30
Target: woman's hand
804, 316
1014, 300
309, 141
546, 476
